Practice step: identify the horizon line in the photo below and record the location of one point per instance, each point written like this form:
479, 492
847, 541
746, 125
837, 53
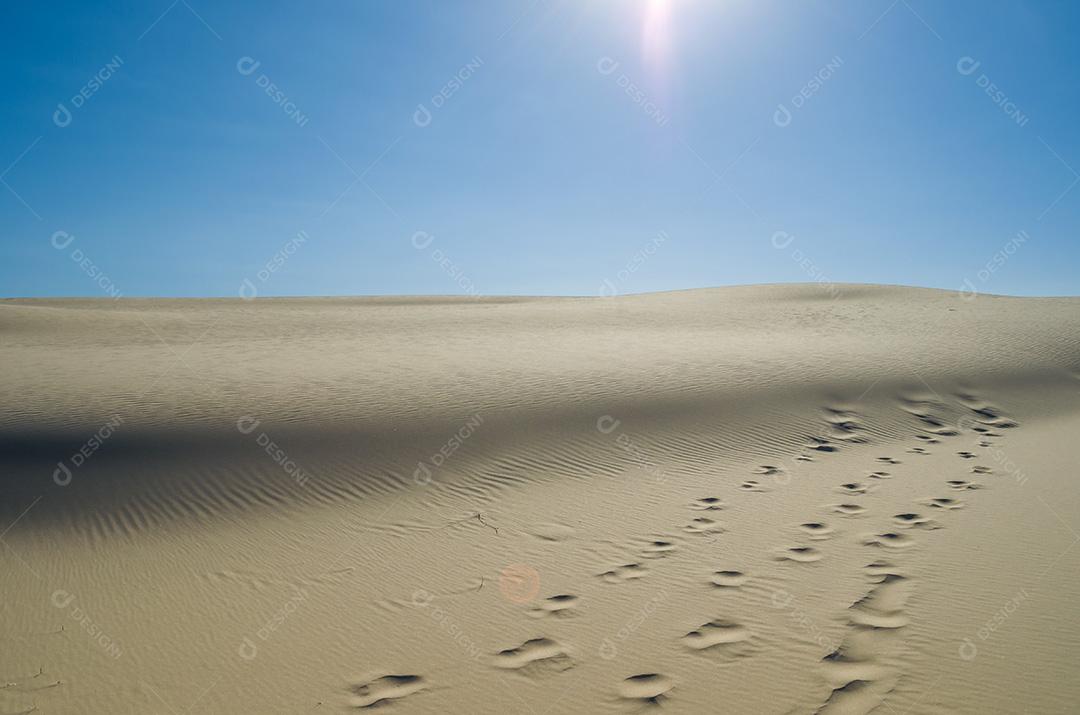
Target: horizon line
826, 286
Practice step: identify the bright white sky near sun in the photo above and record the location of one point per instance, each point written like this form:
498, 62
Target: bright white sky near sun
538, 147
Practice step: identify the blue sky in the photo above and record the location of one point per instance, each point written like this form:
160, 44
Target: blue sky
538, 147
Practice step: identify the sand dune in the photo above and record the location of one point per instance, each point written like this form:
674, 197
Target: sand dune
770, 499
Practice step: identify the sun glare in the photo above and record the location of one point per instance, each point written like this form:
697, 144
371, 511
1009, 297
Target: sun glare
656, 33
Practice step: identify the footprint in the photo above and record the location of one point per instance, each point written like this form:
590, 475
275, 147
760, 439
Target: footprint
854, 661
945, 503
880, 475
552, 532
535, 654
963, 484
934, 425
849, 509
716, 633
992, 417
626, 572
707, 504
880, 568
657, 549
768, 470
922, 415
382, 689
853, 488
561, 605
966, 455
888, 460
929, 420
988, 413
911, 520
800, 554
646, 686
845, 425
859, 670
890, 540
703, 525
819, 444
981, 470
918, 450
729, 579
883, 607
817, 529
862, 693
751, 485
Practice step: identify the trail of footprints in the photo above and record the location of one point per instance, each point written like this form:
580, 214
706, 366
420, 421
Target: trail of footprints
864, 668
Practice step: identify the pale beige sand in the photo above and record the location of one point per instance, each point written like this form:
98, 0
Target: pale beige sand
764, 500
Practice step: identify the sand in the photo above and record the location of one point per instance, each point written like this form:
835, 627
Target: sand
770, 499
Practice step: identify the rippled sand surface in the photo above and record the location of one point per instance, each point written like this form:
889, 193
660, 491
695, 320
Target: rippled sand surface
771, 499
